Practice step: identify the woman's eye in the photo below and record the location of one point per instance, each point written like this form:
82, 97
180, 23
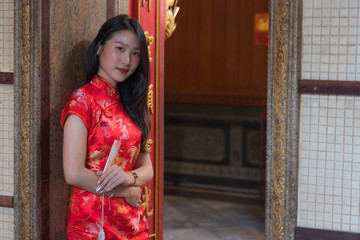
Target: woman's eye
137, 53
120, 48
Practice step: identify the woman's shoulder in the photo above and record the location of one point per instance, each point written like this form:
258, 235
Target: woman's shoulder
81, 99
80, 103
84, 92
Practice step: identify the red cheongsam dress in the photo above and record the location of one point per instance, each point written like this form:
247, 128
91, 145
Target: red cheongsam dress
98, 105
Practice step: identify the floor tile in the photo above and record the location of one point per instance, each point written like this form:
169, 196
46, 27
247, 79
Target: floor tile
197, 219
189, 234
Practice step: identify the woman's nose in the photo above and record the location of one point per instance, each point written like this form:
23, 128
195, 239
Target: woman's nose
126, 59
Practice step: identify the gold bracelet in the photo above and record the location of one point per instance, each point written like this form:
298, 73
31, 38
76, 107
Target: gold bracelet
135, 177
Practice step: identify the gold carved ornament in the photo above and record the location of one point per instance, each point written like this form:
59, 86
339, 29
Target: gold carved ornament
148, 145
25, 216
149, 41
150, 99
146, 200
149, 5
172, 10
282, 39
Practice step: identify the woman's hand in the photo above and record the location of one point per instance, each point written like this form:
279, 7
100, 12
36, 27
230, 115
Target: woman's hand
113, 177
132, 196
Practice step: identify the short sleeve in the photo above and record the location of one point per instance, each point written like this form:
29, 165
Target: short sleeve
78, 104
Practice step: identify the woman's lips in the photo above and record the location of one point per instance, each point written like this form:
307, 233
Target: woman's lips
123, 70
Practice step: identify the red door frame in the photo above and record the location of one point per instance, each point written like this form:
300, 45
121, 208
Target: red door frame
151, 15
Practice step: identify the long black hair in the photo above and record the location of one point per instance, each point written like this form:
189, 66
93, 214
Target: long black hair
133, 91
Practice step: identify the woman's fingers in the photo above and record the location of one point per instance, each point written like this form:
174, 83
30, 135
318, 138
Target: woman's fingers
134, 197
133, 202
111, 178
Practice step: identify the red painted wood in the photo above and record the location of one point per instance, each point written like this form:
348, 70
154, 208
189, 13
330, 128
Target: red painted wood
329, 87
324, 234
160, 106
6, 201
152, 20
6, 78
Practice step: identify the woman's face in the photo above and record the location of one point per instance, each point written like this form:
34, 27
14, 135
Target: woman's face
119, 57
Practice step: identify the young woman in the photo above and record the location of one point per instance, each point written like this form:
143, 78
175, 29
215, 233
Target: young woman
112, 106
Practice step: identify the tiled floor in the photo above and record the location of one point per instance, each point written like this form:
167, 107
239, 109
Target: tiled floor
200, 219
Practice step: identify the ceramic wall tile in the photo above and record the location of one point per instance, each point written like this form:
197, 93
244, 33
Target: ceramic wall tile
330, 43
7, 36
329, 167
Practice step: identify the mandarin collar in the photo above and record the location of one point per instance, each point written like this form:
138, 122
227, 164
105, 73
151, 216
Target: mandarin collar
104, 86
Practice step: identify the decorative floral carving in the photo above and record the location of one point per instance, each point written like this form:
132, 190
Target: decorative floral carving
25, 70
146, 199
280, 126
148, 145
149, 41
171, 11
150, 99
149, 4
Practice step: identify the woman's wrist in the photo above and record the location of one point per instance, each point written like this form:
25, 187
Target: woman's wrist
133, 176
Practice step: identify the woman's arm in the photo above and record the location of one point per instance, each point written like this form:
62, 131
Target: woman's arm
74, 155
143, 168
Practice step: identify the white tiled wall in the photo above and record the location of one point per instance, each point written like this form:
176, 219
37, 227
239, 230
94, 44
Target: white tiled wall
6, 117
329, 144
329, 169
6, 223
6, 139
331, 40
7, 35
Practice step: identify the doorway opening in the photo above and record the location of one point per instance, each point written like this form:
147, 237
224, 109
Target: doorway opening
215, 104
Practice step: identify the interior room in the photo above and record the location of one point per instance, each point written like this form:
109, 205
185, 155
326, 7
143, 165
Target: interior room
215, 112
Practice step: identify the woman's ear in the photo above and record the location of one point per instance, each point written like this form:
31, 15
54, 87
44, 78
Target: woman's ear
99, 49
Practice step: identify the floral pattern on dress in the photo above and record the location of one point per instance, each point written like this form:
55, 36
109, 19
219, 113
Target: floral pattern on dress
98, 105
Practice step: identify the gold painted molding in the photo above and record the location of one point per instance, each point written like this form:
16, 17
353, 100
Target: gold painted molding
149, 41
146, 199
25, 73
157, 132
172, 10
281, 78
150, 99
149, 4
282, 119
148, 144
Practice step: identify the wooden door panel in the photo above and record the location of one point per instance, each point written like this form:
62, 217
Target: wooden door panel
213, 57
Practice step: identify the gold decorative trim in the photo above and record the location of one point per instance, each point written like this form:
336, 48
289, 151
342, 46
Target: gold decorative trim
25, 71
157, 115
281, 78
150, 99
146, 199
172, 10
283, 119
149, 41
148, 145
149, 4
